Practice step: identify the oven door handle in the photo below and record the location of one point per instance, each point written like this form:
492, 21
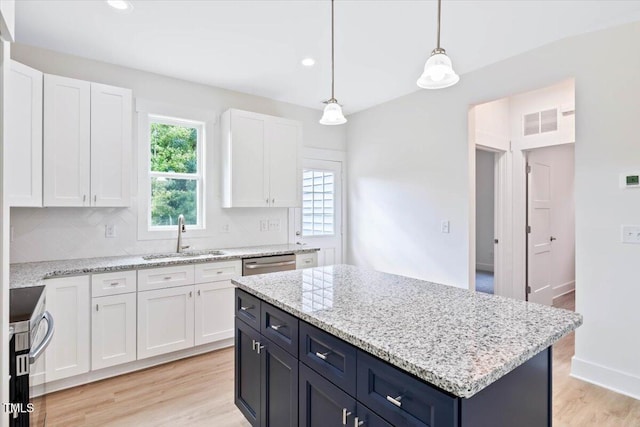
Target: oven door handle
37, 351
272, 264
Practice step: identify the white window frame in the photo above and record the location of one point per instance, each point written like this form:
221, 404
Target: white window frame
153, 112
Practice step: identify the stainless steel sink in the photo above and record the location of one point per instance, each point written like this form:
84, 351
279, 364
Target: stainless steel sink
183, 255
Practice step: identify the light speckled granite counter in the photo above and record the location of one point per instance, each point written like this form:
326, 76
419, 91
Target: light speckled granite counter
455, 339
33, 273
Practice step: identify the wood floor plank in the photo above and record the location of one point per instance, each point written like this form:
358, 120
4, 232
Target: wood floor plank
199, 392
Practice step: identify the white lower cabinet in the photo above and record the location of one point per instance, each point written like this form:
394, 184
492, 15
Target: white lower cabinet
214, 312
67, 300
113, 330
165, 320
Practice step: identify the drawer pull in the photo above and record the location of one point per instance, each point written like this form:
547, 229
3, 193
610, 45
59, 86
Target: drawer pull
345, 414
276, 327
219, 272
115, 283
250, 307
323, 356
396, 400
308, 260
167, 277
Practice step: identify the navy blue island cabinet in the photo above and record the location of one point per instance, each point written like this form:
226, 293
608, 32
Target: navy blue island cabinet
290, 373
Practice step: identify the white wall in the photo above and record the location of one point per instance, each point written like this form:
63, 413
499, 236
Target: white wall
60, 233
409, 163
485, 169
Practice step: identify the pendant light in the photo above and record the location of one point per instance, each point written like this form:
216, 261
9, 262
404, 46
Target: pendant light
332, 114
438, 71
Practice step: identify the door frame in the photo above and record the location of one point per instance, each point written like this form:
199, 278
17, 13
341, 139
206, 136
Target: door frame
332, 156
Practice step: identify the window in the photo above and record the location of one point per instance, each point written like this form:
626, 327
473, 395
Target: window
175, 172
318, 213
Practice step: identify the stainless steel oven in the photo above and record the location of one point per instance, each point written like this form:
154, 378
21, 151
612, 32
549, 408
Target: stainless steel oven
268, 264
32, 329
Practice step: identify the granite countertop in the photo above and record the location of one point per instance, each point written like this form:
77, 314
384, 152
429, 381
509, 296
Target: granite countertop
33, 273
455, 339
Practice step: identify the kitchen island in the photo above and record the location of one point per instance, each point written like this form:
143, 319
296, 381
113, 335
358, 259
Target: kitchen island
341, 345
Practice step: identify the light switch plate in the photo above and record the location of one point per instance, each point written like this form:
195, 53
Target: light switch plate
110, 231
631, 234
225, 228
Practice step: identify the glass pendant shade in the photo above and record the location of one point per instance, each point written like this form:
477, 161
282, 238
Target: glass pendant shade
438, 72
332, 114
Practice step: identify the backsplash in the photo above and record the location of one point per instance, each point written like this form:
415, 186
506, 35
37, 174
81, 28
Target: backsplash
42, 234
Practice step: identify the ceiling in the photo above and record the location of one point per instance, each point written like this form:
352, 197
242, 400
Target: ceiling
256, 46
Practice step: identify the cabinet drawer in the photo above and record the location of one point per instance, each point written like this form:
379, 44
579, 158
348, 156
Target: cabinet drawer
165, 277
248, 309
402, 399
306, 260
329, 356
116, 283
280, 327
217, 271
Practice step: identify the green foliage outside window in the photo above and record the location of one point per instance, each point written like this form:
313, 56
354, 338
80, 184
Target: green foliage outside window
174, 150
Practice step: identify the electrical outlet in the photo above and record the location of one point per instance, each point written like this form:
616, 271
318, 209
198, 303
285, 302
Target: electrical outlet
225, 228
631, 234
110, 231
264, 225
274, 225
444, 226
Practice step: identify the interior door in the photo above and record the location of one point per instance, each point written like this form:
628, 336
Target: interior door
539, 240
319, 222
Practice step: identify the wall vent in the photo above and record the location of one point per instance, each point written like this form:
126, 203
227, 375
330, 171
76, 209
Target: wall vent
540, 122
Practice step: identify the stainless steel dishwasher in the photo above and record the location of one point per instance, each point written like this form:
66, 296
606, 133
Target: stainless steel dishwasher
268, 264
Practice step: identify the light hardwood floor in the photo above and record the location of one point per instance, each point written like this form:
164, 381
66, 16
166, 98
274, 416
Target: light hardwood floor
199, 392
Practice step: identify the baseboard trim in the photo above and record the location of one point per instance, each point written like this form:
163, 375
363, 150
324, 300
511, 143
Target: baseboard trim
126, 368
611, 379
564, 289
484, 267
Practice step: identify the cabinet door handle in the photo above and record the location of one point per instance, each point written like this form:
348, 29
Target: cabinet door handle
324, 355
95, 198
84, 198
199, 292
190, 294
273, 201
396, 400
253, 344
259, 347
267, 201
276, 327
243, 308
97, 307
357, 422
345, 414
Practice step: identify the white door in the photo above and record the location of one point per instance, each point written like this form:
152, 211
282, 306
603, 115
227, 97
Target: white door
165, 321
249, 172
214, 311
539, 239
68, 302
319, 222
110, 145
283, 146
67, 139
113, 330
23, 147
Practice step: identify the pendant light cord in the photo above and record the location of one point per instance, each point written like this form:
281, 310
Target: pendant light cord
438, 37
332, 56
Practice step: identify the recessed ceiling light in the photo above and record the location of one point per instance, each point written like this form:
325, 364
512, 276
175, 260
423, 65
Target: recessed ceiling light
308, 62
121, 5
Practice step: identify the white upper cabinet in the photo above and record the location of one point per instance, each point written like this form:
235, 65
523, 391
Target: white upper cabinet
23, 147
261, 160
87, 143
110, 145
67, 141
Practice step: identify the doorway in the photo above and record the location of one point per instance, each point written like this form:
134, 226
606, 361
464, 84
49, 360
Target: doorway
550, 266
319, 222
485, 220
